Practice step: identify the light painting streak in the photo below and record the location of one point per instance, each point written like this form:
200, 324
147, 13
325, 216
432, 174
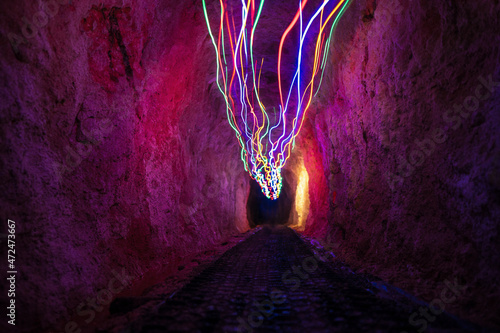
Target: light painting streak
266, 140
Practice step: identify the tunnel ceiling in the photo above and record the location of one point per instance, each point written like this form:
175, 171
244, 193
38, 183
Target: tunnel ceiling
267, 132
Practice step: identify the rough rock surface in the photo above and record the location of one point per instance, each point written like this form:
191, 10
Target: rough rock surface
115, 149
416, 181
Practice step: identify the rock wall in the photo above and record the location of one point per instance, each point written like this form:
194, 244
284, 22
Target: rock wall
116, 153
407, 126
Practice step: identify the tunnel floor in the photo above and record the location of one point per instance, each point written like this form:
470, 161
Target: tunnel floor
245, 290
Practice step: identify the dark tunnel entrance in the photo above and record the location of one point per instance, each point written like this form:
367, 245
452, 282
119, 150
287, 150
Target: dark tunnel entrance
261, 210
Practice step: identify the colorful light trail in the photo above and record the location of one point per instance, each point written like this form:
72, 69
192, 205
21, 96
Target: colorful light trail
267, 138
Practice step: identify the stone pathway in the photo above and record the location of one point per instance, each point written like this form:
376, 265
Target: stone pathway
276, 282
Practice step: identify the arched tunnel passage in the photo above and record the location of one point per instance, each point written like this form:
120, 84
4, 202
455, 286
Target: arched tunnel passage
261, 210
122, 152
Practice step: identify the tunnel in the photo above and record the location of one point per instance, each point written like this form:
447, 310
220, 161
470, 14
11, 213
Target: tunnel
134, 168
261, 210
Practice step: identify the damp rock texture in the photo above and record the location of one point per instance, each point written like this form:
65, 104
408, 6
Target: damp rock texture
116, 153
407, 126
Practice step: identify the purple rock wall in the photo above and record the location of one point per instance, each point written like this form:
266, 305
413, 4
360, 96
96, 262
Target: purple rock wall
408, 127
116, 153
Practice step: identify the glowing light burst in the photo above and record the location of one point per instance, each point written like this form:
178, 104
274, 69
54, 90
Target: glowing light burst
267, 138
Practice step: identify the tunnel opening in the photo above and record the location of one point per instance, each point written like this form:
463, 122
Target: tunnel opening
261, 210
300, 209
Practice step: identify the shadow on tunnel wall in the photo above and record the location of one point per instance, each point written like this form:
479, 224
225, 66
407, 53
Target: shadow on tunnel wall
261, 210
